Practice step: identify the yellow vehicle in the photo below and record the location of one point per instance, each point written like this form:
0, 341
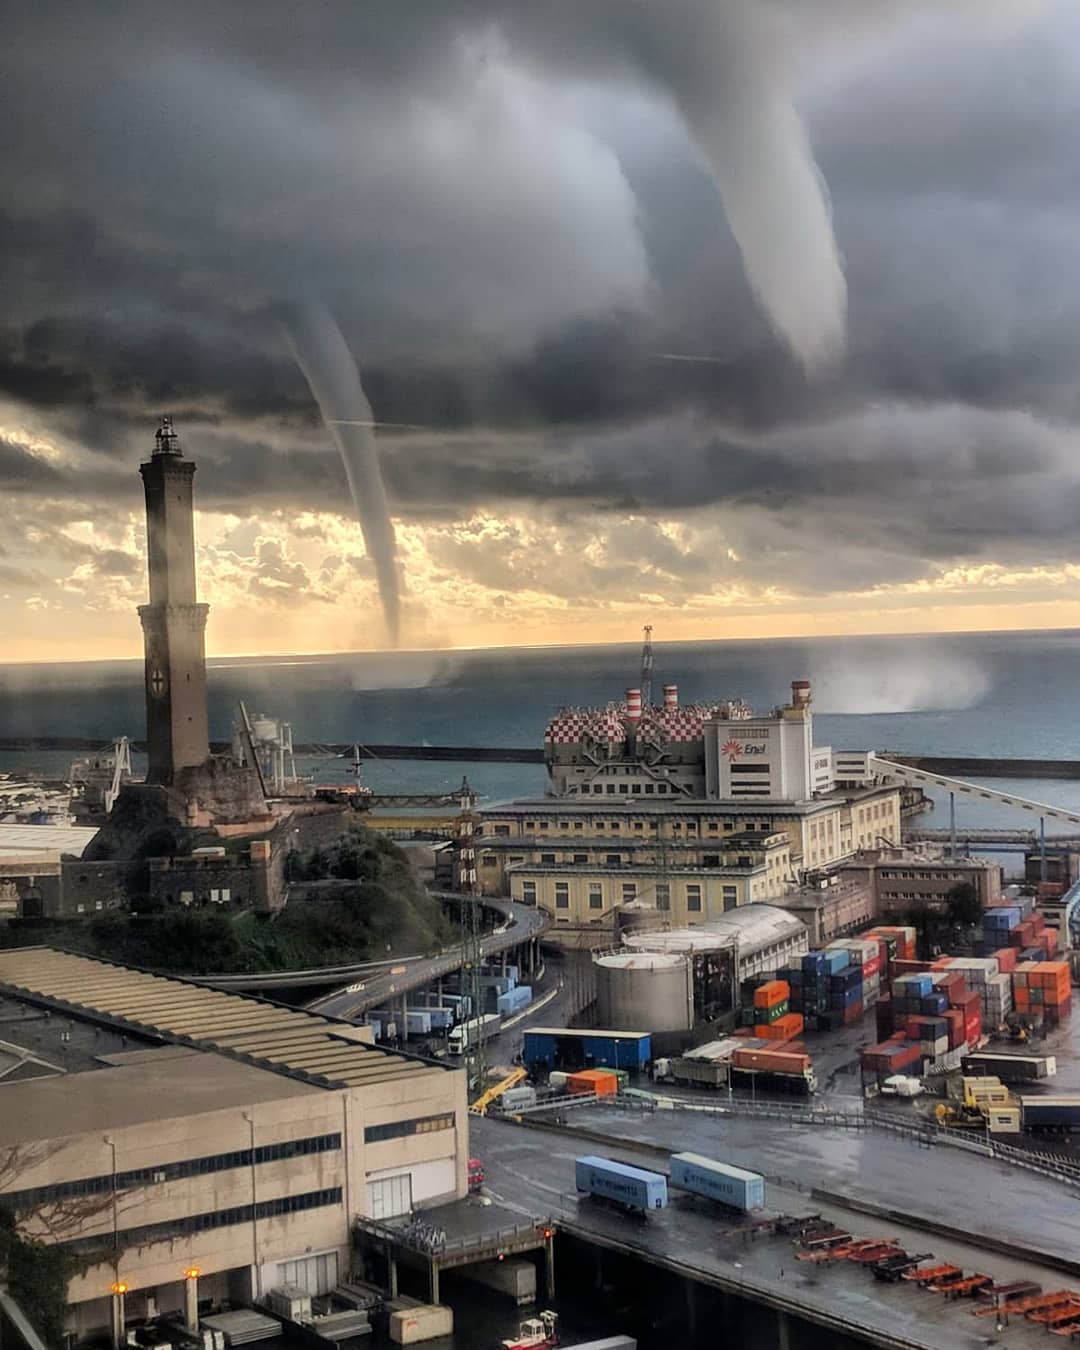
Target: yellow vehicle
480, 1106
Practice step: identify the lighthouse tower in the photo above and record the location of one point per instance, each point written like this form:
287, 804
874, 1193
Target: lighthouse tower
174, 623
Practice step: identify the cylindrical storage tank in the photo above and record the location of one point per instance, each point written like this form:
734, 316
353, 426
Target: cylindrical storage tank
264, 728
638, 917
633, 705
644, 991
671, 695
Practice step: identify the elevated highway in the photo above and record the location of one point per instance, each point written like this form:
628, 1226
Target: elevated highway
357, 988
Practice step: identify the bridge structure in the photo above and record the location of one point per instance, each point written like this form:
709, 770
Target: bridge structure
987, 840
356, 989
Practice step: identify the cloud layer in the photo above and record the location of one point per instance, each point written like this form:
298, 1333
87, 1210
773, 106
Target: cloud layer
513, 212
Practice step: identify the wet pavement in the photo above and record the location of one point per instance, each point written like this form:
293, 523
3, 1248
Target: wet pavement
532, 1170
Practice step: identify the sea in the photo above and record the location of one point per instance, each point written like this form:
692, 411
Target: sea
1001, 695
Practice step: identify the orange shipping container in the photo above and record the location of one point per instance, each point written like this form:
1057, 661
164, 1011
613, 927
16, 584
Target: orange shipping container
596, 1082
770, 994
776, 1061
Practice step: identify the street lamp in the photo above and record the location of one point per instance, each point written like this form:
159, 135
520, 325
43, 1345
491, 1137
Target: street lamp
191, 1299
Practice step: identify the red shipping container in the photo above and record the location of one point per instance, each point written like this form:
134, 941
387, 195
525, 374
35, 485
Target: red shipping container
973, 1026
902, 967
1038, 921
1006, 958
871, 967
1047, 940
956, 1021
852, 1013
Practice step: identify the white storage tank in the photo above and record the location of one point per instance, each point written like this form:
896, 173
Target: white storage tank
644, 991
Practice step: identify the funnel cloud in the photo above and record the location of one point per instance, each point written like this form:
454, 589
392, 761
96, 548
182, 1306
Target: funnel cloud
323, 356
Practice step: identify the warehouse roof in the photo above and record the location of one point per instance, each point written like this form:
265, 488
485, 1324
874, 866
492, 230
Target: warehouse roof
751, 926
289, 1041
160, 1085
44, 841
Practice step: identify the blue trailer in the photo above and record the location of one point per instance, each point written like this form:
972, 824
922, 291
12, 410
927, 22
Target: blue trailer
548, 1048
631, 1187
732, 1186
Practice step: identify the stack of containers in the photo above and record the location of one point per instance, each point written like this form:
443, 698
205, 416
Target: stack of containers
895, 1055
984, 978
866, 954
845, 995
931, 1034
1045, 986
901, 940
773, 1017
814, 987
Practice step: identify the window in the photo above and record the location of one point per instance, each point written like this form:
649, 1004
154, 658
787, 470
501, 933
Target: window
615, 826
544, 824
639, 824
528, 892
731, 896
579, 825
596, 896
562, 895
547, 857
530, 824
649, 788
710, 860
581, 858
613, 860
489, 860
611, 788
399, 1129
502, 829
629, 892
636, 787
663, 895
693, 898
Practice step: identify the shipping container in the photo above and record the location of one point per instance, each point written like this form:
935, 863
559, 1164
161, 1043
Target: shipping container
732, 1186
547, 1048
417, 1022
593, 1082
632, 1187
517, 1098
1061, 1114
1010, 1068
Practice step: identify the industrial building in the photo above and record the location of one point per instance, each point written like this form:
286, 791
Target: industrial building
694, 809
188, 1144
667, 979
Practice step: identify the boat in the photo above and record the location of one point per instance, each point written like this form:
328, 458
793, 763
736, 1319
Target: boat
535, 1333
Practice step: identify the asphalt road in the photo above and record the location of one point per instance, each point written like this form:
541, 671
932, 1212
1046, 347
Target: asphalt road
532, 1171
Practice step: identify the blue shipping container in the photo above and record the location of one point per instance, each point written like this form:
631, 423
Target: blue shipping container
630, 1186
836, 959
717, 1181
557, 1048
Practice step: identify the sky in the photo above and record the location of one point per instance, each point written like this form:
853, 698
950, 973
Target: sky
524, 220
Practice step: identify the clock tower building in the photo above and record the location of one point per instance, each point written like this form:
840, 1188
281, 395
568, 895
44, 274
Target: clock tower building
174, 623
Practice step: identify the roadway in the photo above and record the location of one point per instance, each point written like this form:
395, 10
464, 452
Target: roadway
520, 924
531, 1170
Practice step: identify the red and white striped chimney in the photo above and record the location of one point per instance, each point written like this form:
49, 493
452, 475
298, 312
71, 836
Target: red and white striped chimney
671, 695
800, 693
633, 705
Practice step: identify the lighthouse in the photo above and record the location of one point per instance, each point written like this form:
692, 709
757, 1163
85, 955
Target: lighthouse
174, 623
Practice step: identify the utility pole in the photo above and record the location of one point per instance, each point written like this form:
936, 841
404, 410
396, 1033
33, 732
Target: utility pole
475, 1067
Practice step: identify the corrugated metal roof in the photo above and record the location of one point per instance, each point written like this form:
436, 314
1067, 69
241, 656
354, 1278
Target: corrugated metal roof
284, 1040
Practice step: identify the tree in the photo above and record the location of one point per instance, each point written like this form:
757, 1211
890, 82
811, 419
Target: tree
962, 904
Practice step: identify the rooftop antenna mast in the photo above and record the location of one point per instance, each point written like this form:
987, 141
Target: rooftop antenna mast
646, 668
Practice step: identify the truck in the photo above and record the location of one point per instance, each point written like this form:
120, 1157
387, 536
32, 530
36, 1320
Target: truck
560, 1048
632, 1188
731, 1186
1010, 1068
1058, 1114
468, 1035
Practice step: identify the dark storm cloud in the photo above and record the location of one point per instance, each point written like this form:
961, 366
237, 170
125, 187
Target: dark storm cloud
513, 224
